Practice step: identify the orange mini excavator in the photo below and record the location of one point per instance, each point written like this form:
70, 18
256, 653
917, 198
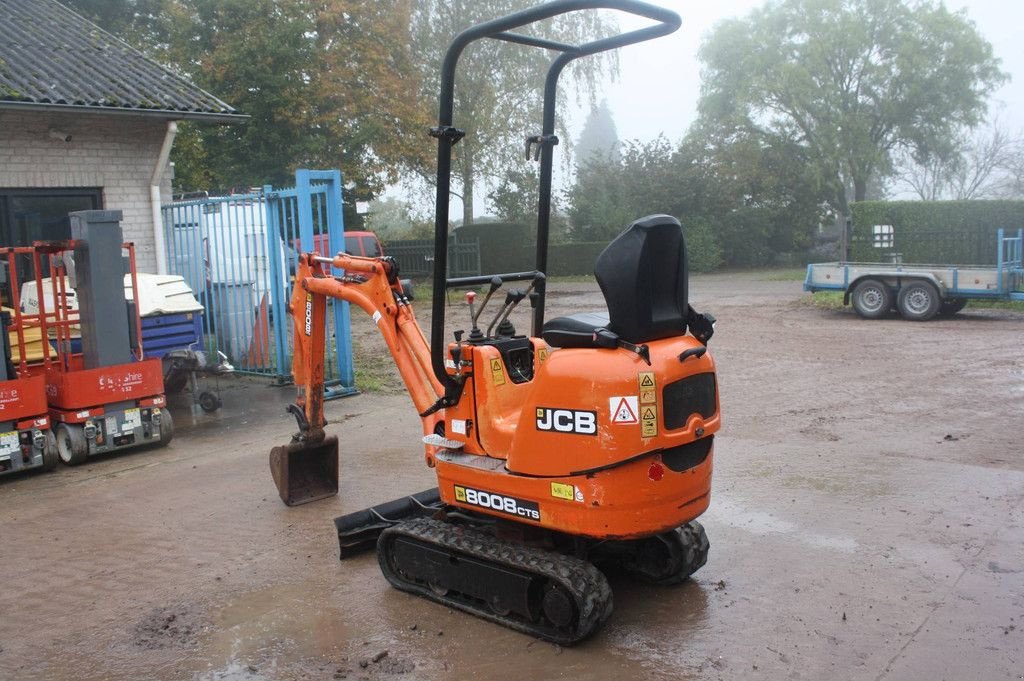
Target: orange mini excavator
586, 444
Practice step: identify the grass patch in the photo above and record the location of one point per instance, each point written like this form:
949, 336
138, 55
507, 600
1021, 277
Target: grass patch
833, 300
1015, 305
788, 274
368, 381
826, 300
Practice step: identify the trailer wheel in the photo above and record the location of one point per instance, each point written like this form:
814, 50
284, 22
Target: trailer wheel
166, 427
871, 299
72, 447
50, 456
951, 306
209, 402
919, 301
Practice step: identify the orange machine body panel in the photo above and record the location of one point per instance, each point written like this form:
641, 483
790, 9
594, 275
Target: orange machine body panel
23, 398
88, 388
583, 439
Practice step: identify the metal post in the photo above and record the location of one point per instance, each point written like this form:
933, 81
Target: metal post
336, 235
277, 301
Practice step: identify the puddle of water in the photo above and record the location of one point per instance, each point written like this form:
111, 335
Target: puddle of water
762, 523
282, 622
233, 671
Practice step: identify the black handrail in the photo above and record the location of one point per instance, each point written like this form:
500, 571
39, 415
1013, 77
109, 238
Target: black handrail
448, 135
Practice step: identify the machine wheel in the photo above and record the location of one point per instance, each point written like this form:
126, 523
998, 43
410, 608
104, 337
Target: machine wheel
919, 301
950, 306
209, 402
166, 427
50, 456
72, 447
871, 299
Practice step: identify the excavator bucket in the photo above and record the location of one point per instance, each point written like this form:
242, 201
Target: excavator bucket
359, 531
305, 472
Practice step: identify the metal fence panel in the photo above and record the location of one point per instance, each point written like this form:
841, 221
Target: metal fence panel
416, 257
239, 253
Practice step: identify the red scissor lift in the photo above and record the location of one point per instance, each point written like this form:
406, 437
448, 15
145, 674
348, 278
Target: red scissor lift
101, 409
26, 441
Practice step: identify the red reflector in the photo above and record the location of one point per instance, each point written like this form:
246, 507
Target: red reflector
656, 471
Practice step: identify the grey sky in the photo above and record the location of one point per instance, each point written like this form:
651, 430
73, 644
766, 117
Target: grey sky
659, 81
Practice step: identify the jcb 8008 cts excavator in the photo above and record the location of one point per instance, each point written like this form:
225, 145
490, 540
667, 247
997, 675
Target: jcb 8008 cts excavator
587, 442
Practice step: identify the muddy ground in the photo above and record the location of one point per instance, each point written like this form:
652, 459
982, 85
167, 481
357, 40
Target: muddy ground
866, 523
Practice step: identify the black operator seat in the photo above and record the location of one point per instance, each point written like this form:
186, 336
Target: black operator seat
643, 276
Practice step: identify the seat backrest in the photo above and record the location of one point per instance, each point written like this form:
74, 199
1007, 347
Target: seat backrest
643, 276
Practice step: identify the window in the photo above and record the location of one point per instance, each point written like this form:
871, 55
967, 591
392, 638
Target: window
28, 215
882, 236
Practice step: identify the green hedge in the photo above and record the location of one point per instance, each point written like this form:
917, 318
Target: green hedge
574, 259
955, 232
510, 247
501, 245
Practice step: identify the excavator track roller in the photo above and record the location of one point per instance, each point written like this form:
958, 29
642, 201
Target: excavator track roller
305, 472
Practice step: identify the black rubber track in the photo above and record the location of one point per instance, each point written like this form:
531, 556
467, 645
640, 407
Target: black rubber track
590, 590
695, 546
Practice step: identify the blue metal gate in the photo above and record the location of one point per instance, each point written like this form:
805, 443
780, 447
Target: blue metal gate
238, 253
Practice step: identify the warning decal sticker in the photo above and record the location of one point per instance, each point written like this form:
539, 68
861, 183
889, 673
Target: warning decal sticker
624, 409
497, 375
648, 421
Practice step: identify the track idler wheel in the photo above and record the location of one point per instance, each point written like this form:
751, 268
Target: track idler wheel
670, 557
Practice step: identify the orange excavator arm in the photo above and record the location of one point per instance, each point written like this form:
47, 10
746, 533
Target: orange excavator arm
372, 284
306, 469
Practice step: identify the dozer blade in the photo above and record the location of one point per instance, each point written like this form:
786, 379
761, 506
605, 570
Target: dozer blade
359, 531
305, 472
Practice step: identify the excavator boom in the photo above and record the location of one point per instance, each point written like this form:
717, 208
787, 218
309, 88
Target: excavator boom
306, 469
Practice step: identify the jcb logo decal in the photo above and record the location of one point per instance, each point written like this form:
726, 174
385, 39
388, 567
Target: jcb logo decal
567, 421
309, 314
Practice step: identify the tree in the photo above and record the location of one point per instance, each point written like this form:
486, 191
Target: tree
760, 192
850, 81
516, 196
742, 197
499, 86
599, 136
327, 83
137, 22
980, 166
611, 193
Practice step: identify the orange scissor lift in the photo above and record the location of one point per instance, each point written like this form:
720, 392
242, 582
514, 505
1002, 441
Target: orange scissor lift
97, 409
26, 441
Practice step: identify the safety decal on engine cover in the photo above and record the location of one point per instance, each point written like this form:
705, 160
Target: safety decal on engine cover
519, 508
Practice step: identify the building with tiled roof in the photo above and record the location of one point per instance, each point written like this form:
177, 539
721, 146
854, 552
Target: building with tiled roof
86, 121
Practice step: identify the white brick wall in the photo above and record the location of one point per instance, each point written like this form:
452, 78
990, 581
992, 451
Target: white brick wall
113, 153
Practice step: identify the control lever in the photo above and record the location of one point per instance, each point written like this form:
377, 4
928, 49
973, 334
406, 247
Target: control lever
457, 350
512, 298
474, 332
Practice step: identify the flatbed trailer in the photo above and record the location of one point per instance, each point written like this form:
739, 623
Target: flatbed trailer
920, 292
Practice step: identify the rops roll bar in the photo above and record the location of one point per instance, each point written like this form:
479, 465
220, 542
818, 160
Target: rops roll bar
448, 135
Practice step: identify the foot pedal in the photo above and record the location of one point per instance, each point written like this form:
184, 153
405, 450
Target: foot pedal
435, 440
